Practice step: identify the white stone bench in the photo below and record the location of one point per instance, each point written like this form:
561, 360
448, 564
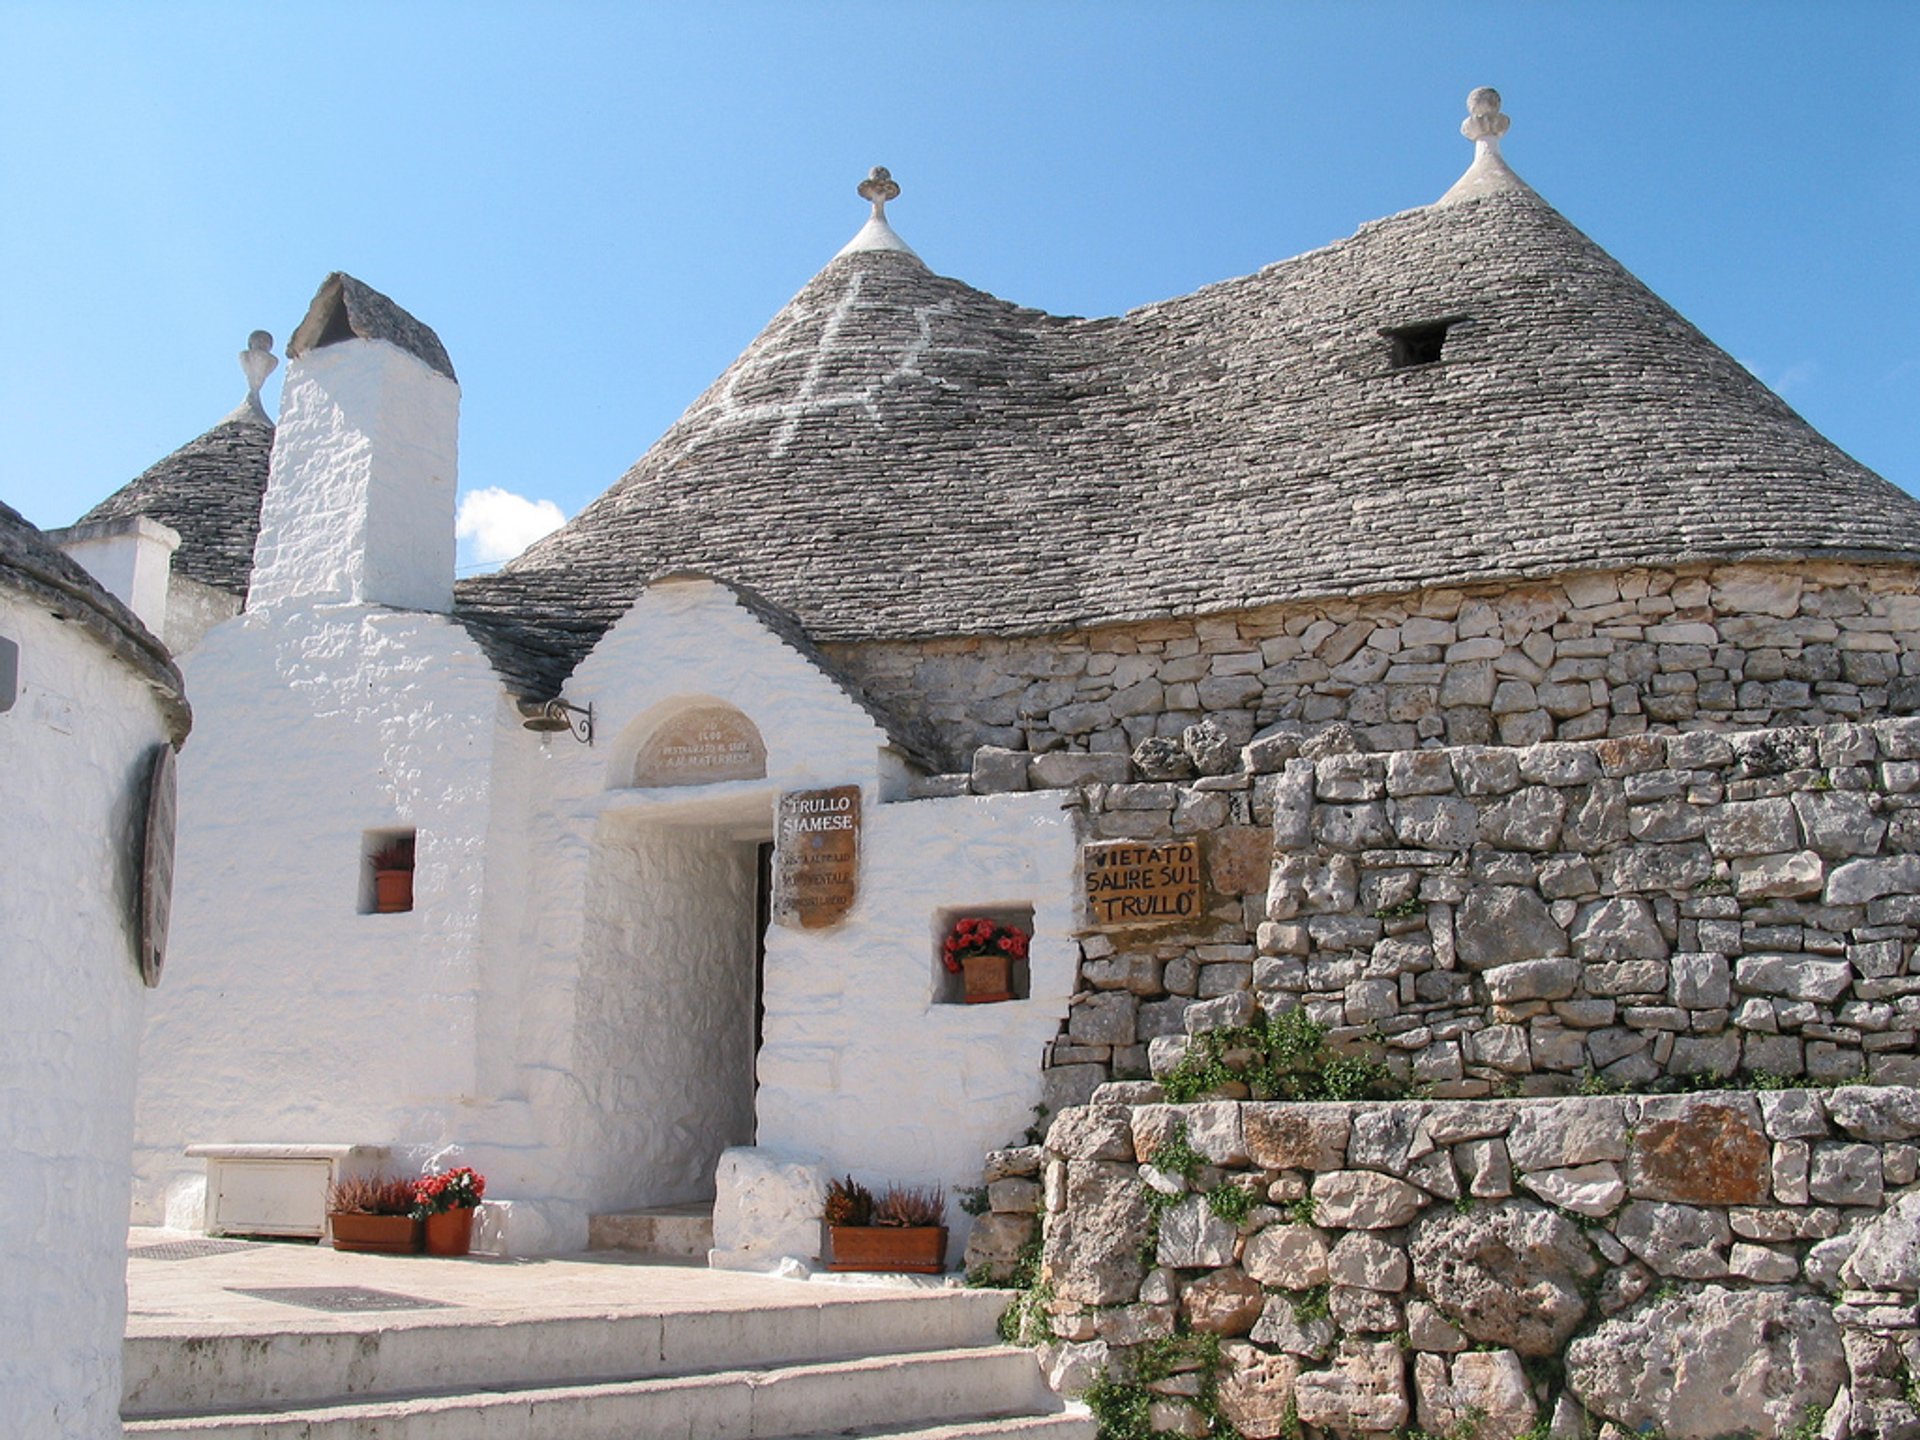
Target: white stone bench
278, 1189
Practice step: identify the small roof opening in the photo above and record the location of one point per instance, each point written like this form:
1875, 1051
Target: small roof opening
1419, 344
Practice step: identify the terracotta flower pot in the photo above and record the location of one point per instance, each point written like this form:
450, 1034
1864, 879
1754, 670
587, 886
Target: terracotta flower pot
392, 891
903, 1249
987, 977
374, 1234
450, 1232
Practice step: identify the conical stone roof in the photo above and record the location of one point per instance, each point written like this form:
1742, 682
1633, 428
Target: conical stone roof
899, 455
209, 490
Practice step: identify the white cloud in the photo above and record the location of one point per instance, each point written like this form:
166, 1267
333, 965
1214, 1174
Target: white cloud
494, 525
1784, 380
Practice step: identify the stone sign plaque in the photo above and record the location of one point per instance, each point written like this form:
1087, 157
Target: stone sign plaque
817, 857
1135, 882
698, 747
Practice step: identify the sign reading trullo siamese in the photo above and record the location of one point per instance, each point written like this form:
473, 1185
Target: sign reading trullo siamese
817, 857
1133, 882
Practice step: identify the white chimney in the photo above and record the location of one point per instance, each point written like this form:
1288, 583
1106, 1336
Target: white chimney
131, 556
359, 502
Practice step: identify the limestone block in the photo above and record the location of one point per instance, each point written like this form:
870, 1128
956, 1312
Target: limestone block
1419, 772
1595, 1189
1528, 819
1208, 746
1365, 1391
1701, 981
1799, 977
1216, 1131
1360, 1311
1102, 1018
1876, 1113
766, 1208
1429, 1330
1762, 1265
1710, 1362
1256, 1391
997, 770
1677, 1240
1226, 1302
1887, 1253
1192, 1237
1839, 823
1559, 764
1364, 1200
1845, 1175
1621, 928
1550, 979
1287, 1136
1778, 877
1092, 1251
1071, 1368
1701, 1151
994, 1244
1496, 924
1549, 1135
1598, 821
1366, 1262
1484, 1395
1435, 822
1228, 1011
1092, 1132
1511, 1274
1287, 1256
1281, 1327
1859, 881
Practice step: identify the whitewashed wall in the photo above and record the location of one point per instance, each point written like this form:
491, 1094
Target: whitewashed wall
73, 755
288, 1015
860, 1066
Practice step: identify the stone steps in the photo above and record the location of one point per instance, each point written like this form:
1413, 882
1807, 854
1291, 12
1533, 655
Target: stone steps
924, 1366
936, 1395
674, 1232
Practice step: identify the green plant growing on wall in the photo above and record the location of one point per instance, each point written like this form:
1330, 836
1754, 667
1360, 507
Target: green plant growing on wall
1288, 1059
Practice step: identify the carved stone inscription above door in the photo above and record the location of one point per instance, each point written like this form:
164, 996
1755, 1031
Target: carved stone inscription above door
699, 747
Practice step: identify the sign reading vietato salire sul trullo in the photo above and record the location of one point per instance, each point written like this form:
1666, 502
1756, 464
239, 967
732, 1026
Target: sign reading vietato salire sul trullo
816, 857
1131, 882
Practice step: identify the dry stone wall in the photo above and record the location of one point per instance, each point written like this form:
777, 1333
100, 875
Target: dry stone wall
1696, 1266
1729, 648
1489, 920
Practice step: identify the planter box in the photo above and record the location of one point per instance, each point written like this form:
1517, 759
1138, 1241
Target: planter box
988, 978
915, 1250
374, 1234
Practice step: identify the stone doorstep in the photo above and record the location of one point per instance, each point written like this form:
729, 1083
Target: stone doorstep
679, 1232
983, 1385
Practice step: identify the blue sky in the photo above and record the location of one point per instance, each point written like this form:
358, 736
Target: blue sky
598, 206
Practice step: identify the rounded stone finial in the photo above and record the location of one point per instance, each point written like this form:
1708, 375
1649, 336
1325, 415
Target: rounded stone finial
1484, 119
879, 187
258, 361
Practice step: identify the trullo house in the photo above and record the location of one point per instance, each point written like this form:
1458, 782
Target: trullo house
933, 607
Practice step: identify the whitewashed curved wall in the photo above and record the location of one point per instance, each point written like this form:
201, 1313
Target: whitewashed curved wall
73, 752
289, 1016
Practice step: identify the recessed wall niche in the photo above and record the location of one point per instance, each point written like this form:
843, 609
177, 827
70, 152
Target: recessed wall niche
386, 871
997, 938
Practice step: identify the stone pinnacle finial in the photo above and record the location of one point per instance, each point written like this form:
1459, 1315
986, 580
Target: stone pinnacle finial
259, 361
1485, 124
879, 187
